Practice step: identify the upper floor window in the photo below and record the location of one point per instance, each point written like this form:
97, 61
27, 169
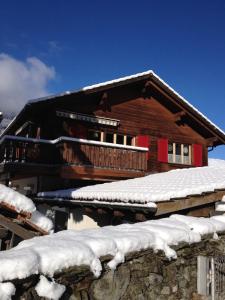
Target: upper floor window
111, 137
94, 135
179, 153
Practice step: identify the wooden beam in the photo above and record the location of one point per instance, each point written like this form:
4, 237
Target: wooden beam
140, 217
88, 210
147, 86
3, 232
12, 208
189, 202
177, 117
211, 141
118, 213
15, 228
102, 211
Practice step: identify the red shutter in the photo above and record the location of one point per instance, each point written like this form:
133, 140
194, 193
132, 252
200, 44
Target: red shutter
144, 141
197, 155
163, 150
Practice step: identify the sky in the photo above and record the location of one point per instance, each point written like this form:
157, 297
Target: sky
50, 46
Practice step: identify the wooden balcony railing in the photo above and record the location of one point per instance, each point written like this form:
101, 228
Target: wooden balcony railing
65, 150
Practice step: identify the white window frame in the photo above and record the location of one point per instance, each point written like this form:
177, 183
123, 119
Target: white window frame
173, 161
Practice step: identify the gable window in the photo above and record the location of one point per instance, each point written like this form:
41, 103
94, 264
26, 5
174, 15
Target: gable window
179, 153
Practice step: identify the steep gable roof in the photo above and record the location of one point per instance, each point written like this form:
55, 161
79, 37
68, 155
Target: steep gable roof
185, 104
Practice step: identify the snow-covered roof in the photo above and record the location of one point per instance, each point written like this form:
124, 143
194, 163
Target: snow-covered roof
151, 189
50, 254
127, 79
22, 204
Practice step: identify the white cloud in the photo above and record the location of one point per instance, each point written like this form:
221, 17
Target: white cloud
21, 81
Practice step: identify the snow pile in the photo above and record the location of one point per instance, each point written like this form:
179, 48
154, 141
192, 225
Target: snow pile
15, 199
165, 186
49, 289
51, 254
24, 204
41, 221
215, 162
7, 290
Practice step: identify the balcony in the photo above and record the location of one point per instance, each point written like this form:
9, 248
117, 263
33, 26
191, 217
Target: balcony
73, 153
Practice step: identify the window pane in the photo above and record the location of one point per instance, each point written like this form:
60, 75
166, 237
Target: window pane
94, 135
170, 148
178, 154
129, 140
109, 137
120, 139
170, 153
186, 152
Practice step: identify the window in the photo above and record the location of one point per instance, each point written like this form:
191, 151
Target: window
109, 137
120, 139
130, 140
94, 135
179, 153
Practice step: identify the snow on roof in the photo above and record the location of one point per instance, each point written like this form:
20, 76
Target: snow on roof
153, 188
23, 204
15, 199
50, 254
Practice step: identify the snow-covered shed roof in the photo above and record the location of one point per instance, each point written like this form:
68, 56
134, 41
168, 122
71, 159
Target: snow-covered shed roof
123, 81
147, 191
19, 203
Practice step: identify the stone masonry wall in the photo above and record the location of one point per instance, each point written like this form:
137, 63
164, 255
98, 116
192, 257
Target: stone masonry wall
144, 275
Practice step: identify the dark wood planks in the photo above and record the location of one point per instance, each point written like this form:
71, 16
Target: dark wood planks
187, 203
15, 228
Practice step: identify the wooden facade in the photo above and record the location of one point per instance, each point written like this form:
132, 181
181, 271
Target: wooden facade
123, 129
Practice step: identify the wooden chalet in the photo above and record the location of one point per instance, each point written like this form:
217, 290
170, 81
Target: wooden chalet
120, 129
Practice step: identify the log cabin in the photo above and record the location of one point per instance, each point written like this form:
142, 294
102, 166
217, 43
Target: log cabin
120, 129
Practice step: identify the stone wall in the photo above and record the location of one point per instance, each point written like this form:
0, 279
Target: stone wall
144, 275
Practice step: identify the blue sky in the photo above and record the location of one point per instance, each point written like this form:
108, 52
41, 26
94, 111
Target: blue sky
84, 42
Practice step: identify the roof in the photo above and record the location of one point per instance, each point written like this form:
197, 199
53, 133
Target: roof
122, 81
149, 190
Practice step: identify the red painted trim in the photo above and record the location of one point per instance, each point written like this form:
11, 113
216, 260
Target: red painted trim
197, 155
144, 141
163, 150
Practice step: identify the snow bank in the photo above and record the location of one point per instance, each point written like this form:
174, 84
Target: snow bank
153, 188
49, 289
51, 254
19, 201
7, 290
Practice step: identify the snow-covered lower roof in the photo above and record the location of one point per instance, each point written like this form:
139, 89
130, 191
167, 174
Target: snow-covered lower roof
22, 204
50, 254
125, 80
151, 189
